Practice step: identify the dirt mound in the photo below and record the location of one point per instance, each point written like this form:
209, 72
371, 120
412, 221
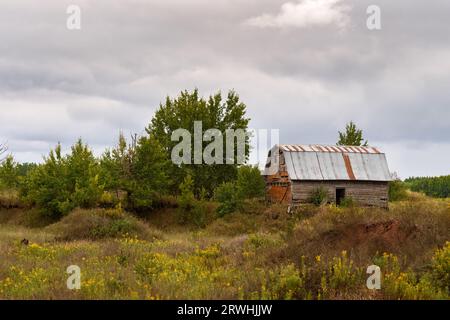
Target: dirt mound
385, 234
94, 224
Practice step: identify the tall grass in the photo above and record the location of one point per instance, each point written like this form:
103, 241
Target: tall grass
259, 253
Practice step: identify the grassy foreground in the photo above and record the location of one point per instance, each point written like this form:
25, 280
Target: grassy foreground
263, 253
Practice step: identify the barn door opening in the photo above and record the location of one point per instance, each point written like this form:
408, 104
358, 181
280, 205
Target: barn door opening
340, 195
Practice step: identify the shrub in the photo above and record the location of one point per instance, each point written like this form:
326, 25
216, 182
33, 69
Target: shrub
400, 284
199, 213
347, 202
9, 174
397, 190
62, 183
285, 282
250, 183
187, 199
191, 210
440, 268
107, 200
318, 196
228, 197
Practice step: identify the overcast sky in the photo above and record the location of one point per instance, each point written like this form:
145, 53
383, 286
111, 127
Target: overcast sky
305, 67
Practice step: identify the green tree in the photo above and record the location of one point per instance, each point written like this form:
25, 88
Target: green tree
250, 182
46, 185
214, 113
432, 186
9, 173
137, 169
149, 176
115, 166
25, 167
62, 183
351, 137
83, 176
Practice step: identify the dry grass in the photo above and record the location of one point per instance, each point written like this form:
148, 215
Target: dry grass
262, 253
102, 223
9, 199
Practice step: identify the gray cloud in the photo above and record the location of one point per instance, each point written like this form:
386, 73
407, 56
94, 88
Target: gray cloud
57, 85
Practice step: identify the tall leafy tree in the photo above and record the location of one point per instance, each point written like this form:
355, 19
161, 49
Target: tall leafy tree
115, 166
149, 176
138, 169
214, 113
83, 176
46, 185
352, 136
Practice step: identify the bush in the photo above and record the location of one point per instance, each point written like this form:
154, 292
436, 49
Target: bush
231, 195
9, 174
199, 213
101, 223
191, 210
187, 199
318, 196
108, 200
228, 197
397, 190
63, 183
347, 202
250, 183
440, 268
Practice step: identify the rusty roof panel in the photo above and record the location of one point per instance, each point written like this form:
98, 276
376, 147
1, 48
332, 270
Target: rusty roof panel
332, 166
325, 148
317, 162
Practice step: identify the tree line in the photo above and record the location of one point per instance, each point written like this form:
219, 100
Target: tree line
138, 172
438, 187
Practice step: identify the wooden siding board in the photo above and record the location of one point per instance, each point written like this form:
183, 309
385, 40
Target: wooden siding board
364, 193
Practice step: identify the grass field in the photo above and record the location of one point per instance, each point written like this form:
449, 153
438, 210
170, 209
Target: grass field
261, 253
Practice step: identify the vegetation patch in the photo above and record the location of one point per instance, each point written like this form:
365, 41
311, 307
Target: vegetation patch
100, 224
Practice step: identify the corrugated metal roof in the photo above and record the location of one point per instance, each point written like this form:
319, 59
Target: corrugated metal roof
320, 162
324, 148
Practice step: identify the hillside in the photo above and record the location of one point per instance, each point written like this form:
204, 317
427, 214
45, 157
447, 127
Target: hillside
259, 252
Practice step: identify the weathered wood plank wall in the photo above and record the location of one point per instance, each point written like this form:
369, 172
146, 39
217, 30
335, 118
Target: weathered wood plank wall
364, 193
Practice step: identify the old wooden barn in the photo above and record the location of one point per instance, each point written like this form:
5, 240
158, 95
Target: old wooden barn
294, 172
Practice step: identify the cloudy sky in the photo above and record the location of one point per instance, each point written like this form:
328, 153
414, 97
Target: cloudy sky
305, 67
